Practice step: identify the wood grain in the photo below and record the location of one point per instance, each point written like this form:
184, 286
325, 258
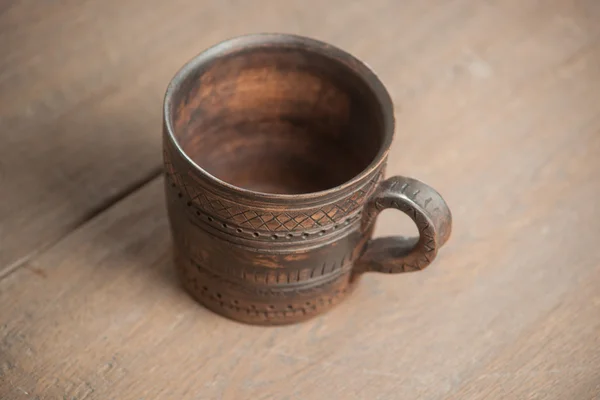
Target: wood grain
498, 107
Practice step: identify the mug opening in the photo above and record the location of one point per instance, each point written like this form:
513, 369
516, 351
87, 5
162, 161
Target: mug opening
279, 115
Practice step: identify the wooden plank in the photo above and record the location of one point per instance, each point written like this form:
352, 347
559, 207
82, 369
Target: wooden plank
78, 129
100, 315
497, 107
557, 357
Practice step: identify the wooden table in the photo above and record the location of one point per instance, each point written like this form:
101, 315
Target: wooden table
498, 107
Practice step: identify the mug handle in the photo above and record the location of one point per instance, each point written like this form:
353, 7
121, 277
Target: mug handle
425, 207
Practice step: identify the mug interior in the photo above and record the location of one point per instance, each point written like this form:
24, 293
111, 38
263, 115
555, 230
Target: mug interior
277, 119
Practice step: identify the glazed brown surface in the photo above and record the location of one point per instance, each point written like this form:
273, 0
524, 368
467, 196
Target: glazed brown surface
267, 121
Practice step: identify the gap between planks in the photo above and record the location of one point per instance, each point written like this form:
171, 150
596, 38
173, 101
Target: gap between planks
111, 201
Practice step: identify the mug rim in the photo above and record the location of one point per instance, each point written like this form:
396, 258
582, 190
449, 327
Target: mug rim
257, 40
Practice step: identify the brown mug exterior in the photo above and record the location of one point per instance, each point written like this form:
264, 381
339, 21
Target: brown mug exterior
275, 259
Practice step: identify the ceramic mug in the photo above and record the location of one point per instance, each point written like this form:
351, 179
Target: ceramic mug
275, 149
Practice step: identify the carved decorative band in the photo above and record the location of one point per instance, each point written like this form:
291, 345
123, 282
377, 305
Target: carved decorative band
271, 277
260, 223
308, 288
261, 308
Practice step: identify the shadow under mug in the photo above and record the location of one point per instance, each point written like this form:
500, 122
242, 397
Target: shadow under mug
275, 149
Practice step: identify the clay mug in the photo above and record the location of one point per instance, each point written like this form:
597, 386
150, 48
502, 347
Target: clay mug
275, 150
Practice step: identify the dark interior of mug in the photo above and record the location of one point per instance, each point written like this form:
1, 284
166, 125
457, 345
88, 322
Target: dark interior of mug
278, 120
